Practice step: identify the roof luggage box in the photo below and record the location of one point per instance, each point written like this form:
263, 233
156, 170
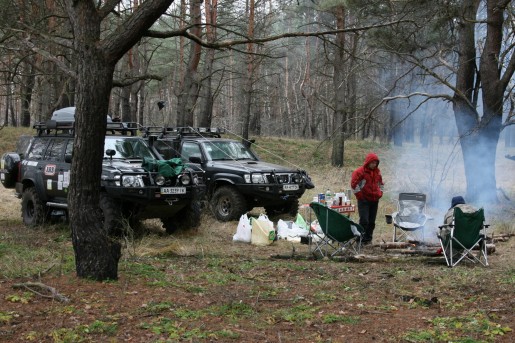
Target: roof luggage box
67, 115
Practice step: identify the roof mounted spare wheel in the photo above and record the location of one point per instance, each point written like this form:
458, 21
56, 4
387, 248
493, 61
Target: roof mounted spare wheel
9, 169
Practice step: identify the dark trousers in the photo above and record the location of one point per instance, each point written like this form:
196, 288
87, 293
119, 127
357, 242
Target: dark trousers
367, 217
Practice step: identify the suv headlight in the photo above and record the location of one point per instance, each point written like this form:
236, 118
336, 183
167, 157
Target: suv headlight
254, 178
160, 180
185, 179
296, 178
132, 181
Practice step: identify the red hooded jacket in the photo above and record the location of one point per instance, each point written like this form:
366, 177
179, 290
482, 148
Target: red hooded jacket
366, 183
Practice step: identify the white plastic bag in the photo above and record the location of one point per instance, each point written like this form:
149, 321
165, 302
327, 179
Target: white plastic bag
244, 230
289, 230
283, 231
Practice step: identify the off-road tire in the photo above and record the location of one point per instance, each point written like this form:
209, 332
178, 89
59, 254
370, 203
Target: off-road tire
112, 215
291, 208
170, 225
228, 204
189, 216
33, 210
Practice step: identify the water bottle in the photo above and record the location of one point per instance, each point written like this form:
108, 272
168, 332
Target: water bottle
328, 198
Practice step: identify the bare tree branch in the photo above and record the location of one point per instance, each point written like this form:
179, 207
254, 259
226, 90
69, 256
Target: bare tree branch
108, 7
131, 80
49, 57
229, 43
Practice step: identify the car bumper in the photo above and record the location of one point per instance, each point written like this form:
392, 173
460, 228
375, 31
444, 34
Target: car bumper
153, 195
269, 194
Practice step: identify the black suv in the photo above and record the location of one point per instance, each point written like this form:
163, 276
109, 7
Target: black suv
136, 183
236, 179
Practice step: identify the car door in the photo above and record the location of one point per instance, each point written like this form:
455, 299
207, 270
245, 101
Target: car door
190, 149
55, 170
34, 165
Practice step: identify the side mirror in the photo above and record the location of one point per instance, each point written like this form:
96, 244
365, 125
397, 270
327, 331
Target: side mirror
110, 153
68, 158
195, 159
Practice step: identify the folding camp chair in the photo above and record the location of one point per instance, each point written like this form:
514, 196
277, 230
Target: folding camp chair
467, 231
338, 234
410, 215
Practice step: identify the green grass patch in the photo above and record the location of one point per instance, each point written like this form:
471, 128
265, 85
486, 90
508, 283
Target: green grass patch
234, 310
153, 308
84, 333
476, 327
173, 330
297, 314
25, 260
145, 270
6, 317
336, 318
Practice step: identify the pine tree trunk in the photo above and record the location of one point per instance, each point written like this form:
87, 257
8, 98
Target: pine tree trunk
96, 255
339, 84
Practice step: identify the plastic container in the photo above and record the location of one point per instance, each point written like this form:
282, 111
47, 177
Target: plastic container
341, 198
388, 218
328, 198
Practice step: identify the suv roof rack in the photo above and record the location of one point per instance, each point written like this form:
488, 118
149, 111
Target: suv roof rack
179, 132
67, 128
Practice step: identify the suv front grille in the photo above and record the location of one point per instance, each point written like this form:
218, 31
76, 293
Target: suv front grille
280, 178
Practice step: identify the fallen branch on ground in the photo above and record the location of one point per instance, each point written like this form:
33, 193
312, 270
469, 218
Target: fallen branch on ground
362, 258
37, 287
415, 252
395, 245
490, 248
500, 238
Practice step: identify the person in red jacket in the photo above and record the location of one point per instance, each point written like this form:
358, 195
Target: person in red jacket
367, 185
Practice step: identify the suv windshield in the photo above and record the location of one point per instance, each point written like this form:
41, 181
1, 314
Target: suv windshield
228, 150
133, 148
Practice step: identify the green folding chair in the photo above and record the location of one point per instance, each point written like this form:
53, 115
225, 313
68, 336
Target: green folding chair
467, 232
338, 234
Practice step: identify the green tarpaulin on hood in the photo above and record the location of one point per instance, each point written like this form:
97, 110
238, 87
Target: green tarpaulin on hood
167, 168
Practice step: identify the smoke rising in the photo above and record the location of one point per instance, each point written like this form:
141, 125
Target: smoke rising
436, 167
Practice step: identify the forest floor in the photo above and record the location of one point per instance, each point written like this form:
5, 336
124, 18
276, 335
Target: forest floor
196, 289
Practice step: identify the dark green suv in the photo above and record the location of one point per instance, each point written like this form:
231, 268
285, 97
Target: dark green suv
136, 183
236, 179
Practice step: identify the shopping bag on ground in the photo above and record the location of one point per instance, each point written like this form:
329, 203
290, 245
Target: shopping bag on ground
283, 229
301, 223
263, 232
290, 230
244, 230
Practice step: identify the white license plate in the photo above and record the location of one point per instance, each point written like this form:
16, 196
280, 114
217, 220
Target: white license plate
173, 190
290, 187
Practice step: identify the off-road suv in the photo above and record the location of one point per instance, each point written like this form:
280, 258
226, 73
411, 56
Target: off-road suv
136, 183
237, 180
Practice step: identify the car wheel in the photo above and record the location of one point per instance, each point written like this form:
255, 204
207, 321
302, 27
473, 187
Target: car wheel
228, 204
33, 210
189, 216
170, 225
112, 215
